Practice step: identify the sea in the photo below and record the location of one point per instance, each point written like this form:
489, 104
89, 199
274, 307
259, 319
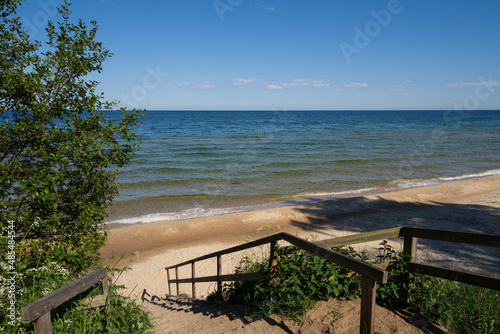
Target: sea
204, 163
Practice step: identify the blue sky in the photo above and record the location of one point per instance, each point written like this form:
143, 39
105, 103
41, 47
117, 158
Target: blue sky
293, 54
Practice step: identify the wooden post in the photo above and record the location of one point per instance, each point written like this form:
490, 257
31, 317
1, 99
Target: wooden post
368, 292
43, 325
219, 273
168, 282
410, 247
193, 276
105, 292
176, 278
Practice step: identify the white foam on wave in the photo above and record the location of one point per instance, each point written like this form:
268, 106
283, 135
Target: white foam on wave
338, 193
406, 184
188, 214
492, 172
416, 183
299, 199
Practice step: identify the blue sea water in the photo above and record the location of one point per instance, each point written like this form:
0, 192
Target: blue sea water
200, 163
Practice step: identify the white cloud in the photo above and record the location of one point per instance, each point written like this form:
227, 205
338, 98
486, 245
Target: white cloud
408, 89
244, 81
206, 84
274, 86
303, 82
356, 85
489, 82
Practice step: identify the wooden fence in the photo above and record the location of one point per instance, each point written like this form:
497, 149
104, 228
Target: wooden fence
411, 236
39, 311
370, 274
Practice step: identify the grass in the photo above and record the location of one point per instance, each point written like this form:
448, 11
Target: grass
125, 315
298, 280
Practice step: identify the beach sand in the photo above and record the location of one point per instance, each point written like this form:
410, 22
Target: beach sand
468, 206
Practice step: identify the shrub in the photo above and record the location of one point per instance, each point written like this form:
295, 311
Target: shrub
125, 315
298, 280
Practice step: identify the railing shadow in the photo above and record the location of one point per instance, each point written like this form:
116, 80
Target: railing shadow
360, 214
198, 306
195, 306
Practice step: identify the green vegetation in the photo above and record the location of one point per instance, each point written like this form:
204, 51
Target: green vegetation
125, 316
58, 160
58, 152
299, 280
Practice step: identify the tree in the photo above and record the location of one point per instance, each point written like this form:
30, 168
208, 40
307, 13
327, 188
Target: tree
58, 152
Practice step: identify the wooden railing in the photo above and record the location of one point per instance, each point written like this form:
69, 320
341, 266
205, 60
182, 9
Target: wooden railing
39, 311
411, 236
370, 274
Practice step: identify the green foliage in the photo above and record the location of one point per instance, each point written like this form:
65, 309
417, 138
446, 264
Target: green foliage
300, 279
385, 253
474, 310
58, 152
398, 284
293, 286
125, 315
462, 308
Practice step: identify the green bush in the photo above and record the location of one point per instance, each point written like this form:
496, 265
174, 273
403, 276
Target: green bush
125, 315
293, 286
299, 280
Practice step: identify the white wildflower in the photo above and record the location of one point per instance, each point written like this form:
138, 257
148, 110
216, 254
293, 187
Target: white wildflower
36, 222
3, 266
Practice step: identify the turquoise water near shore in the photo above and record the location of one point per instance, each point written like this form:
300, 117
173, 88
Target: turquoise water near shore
201, 163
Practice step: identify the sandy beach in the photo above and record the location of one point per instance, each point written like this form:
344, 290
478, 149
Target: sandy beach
469, 206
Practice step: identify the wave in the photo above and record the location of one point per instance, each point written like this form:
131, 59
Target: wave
275, 200
190, 214
415, 183
340, 193
493, 172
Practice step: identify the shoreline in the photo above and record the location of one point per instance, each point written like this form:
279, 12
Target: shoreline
325, 218
149, 217
469, 206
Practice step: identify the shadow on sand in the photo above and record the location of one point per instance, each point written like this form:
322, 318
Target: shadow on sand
360, 214
228, 312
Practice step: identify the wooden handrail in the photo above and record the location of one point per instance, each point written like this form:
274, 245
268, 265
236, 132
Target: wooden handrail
234, 249
361, 238
480, 239
411, 236
370, 273
377, 274
39, 310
